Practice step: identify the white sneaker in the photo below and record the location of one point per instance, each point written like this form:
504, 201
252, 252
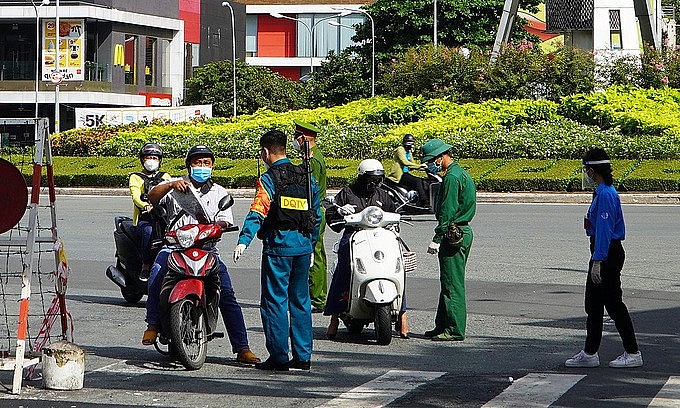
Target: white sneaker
583, 359
626, 360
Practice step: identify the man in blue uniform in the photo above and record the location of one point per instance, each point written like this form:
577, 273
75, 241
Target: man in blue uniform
288, 223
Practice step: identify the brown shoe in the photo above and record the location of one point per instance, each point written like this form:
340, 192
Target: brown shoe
246, 356
332, 330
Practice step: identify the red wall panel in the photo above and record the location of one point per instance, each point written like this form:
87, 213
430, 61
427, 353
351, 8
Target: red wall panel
292, 73
190, 12
275, 37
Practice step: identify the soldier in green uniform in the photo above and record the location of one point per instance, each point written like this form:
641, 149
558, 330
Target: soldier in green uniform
317, 273
454, 208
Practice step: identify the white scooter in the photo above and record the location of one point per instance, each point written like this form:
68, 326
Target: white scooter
379, 260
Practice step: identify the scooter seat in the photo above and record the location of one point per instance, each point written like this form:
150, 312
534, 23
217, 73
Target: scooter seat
395, 186
124, 226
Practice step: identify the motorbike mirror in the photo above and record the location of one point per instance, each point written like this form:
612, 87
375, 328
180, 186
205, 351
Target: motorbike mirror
412, 196
225, 202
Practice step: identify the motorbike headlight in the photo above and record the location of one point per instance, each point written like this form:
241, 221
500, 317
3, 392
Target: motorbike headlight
186, 237
373, 216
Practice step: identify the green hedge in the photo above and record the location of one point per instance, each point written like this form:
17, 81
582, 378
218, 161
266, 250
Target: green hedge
489, 174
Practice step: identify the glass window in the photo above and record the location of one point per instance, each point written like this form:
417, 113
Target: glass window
131, 43
251, 35
615, 29
327, 37
150, 64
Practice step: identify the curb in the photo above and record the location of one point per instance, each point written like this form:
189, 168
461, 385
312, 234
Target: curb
482, 196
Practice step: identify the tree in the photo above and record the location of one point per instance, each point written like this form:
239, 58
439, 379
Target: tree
256, 87
401, 24
342, 78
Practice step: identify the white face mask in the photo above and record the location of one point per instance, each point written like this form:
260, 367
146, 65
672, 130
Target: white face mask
151, 165
264, 155
296, 145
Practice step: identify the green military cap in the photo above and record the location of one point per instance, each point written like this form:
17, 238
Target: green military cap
306, 128
433, 148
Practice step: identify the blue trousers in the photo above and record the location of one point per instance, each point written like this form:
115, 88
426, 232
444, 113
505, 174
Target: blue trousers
145, 229
285, 289
229, 307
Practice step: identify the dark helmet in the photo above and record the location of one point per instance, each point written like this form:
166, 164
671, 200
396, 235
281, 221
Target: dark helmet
408, 140
151, 149
198, 150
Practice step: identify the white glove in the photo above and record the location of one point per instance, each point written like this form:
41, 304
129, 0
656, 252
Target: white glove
347, 209
595, 272
433, 248
311, 259
238, 251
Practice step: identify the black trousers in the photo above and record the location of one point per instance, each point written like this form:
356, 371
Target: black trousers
608, 294
412, 182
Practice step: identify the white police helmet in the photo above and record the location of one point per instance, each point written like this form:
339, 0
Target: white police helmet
371, 167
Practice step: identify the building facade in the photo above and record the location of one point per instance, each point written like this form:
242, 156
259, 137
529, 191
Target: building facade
112, 52
292, 37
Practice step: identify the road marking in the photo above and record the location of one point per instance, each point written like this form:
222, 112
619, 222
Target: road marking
534, 390
121, 367
382, 390
669, 395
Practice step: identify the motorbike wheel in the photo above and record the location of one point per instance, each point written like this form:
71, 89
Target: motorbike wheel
383, 325
188, 333
133, 294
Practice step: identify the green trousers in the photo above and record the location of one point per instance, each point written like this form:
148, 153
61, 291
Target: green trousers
451, 310
317, 273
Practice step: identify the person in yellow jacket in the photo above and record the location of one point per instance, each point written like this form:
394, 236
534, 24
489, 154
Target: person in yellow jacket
150, 155
402, 164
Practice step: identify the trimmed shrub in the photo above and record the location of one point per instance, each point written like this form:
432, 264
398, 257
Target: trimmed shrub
653, 175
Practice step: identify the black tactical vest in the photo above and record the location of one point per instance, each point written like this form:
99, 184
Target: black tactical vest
290, 209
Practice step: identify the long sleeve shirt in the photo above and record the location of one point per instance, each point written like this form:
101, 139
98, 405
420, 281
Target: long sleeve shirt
318, 164
401, 162
456, 200
136, 185
281, 243
605, 220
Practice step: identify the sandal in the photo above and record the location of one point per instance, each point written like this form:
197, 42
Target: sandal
149, 337
332, 330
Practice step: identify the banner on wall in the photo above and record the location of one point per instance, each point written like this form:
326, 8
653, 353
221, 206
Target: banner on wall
71, 46
91, 118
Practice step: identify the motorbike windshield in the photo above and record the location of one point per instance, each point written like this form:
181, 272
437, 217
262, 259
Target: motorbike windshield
190, 204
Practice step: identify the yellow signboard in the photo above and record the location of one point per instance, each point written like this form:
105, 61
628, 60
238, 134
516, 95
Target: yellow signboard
71, 45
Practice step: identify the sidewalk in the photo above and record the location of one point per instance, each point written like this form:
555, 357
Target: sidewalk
482, 196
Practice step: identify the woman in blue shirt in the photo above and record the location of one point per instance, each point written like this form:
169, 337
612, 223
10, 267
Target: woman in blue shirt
606, 229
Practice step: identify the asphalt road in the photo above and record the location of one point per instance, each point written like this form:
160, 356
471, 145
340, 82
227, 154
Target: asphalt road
525, 283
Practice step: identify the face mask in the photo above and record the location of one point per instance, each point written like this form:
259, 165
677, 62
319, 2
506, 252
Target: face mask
408, 146
433, 167
372, 183
151, 165
264, 156
296, 145
201, 174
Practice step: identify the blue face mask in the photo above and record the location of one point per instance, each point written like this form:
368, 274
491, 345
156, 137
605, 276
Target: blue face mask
433, 167
201, 174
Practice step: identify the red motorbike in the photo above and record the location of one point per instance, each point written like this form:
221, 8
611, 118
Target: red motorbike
190, 294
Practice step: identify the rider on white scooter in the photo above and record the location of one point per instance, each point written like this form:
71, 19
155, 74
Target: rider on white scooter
364, 192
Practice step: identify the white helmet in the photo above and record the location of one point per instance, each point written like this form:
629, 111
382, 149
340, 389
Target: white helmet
371, 167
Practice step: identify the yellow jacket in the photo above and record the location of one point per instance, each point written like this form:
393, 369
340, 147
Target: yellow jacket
136, 184
399, 162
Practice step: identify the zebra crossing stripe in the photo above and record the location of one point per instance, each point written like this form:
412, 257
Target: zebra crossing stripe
382, 390
669, 395
534, 390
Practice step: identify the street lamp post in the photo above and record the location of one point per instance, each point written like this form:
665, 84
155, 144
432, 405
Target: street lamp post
37, 50
435, 24
233, 50
56, 68
311, 36
372, 44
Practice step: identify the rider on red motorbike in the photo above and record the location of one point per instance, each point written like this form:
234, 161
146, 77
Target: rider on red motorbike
199, 163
